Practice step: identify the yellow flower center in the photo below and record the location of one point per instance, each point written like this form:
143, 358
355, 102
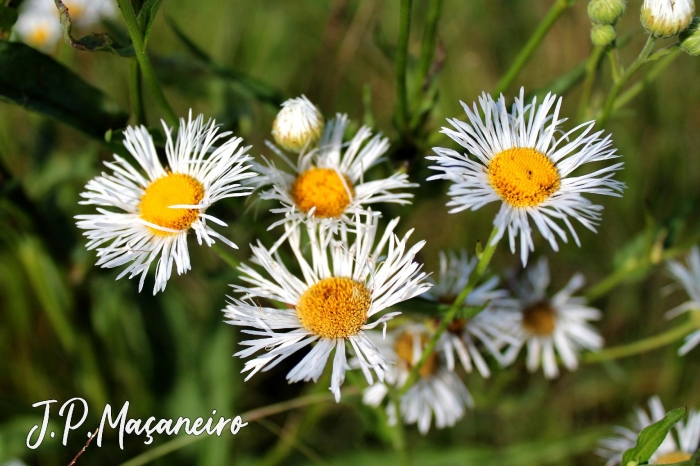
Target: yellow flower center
324, 189
538, 319
335, 307
75, 10
171, 189
39, 36
404, 350
523, 177
673, 457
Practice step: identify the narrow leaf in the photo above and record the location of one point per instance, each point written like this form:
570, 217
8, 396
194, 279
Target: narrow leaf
97, 42
258, 89
651, 437
37, 82
146, 17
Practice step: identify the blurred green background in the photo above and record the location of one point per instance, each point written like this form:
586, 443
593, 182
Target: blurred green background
68, 329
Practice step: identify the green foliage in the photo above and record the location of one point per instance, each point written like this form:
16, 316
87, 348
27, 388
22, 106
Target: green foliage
651, 437
8, 17
37, 82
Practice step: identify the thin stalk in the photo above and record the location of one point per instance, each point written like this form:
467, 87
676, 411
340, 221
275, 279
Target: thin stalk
474, 278
643, 346
530, 46
636, 88
617, 86
225, 256
249, 416
136, 91
144, 61
614, 64
399, 430
401, 64
427, 51
589, 81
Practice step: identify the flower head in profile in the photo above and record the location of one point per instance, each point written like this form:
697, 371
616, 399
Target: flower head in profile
327, 184
439, 393
678, 445
345, 287
463, 335
690, 279
298, 126
548, 326
157, 206
524, 164
666, 18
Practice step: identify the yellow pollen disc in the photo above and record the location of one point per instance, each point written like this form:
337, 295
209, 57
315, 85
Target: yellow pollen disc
324, 189
171, 189
523, 177
404, 350
38, 36
334, 307
538, 319
457, 325
673, 457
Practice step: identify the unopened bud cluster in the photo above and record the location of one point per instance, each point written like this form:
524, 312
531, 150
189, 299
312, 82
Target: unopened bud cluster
606, 11
299, 125
667, 18
603, 35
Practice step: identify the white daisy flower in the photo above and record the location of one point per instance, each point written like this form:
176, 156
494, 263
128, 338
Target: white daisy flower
38, 24
341, 290
299, 125
462, 335
666, 18
521, 163
548, 325
327, 185
160, 208
690, 279
439, 393
679, 445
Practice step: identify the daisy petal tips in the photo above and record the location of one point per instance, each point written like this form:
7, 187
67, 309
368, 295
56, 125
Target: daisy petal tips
522, 160
157, 206
339, 296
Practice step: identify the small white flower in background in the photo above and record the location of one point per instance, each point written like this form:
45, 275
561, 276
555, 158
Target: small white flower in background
666, 18
327, 183
439, 393
298, 126
341, 291
690, 279
160, 208
679, 445
549, 326
522, 164
38, 24
462, 335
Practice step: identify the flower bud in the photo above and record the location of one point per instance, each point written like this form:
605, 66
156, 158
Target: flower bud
298, 125
666, 18
690, 38
606, 11
602, 35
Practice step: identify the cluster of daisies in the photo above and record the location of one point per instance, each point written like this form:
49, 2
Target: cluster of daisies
334, 280
39, 25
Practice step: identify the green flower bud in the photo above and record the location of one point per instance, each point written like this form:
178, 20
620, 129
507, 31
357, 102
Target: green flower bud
602, 35
298, 126
666, 18
690, 38
606, 11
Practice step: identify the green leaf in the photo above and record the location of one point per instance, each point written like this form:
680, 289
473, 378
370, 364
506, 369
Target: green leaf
258, 89
37, 82
146, 17
97, 42
651, 437
8, 16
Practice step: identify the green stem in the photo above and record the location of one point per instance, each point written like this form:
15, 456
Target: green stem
401, 64
225, 256
614, 64
591, 68
474, 278
399, 430
136, 90
428, 47
635, 89
249, 416
144, 62
545, 25
617, 86
642, 346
